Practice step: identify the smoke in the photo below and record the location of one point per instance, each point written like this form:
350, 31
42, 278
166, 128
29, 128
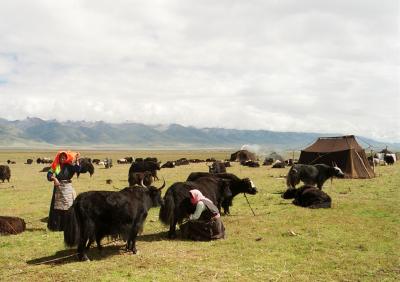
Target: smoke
260, 151
256, 149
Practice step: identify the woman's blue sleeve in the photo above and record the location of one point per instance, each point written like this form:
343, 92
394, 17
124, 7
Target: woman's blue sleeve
49, 175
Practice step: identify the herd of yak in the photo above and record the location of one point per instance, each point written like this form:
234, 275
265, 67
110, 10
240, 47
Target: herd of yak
98, 214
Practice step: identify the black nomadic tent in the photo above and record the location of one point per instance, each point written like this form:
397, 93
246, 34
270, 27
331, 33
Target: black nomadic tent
243, 155
344, 151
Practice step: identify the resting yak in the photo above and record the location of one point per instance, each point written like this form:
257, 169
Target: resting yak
308, 197
5, 173
182, 161
45, 169
168, 164
312, 174
97, 214
250, 163
217, 167
177, 204
11, 225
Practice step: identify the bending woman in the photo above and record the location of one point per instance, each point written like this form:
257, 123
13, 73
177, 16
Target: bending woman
205, 223
63, 168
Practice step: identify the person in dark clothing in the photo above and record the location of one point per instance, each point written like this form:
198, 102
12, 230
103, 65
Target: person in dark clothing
205, 223
63, 168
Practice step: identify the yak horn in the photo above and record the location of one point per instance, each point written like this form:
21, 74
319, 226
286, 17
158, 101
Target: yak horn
162, 185
142, 184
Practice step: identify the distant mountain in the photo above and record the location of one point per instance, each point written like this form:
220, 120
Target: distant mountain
38, 133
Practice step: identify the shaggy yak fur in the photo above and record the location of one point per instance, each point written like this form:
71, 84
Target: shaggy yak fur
11, 225
312, 175
217, 167
177, 204
139, 177
143, 166
5, 173
236, 185
86, 166
308, 197
97, 214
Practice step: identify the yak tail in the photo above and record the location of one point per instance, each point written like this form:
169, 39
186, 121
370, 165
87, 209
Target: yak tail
167, 210
291, 178
71, 227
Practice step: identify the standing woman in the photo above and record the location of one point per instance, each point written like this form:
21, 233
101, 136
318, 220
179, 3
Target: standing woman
62, 169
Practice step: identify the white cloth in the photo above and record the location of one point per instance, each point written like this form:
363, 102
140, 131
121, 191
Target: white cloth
64, 196
200, 207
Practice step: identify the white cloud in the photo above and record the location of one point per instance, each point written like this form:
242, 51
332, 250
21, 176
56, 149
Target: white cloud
280, 65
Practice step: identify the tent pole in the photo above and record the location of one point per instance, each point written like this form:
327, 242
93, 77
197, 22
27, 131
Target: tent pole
373, 163
362, 162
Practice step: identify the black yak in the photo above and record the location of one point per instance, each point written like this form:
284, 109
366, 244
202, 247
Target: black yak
182, 161
45, 169
168, 164
177, 204
11, 225
86, 166
312, 174
97, 214
308, 197
236, 185
5, 173
151, 159
250, 163
140, 178
143, 166
129, 159
217, 167
196, 161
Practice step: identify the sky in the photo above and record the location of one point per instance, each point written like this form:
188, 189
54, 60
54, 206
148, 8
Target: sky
305, 66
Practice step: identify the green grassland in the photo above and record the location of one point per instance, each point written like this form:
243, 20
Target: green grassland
356, 240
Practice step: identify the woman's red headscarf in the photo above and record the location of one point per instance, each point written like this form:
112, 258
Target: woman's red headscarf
70, 159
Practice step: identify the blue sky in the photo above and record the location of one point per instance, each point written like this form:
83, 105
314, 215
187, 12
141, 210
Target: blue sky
321, 66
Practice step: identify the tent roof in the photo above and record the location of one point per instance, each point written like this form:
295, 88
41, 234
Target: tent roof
243, 155
334, 144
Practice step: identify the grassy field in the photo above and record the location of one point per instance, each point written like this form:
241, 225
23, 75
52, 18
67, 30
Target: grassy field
356, 240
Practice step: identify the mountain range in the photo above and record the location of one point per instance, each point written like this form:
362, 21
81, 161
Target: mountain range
39, 133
